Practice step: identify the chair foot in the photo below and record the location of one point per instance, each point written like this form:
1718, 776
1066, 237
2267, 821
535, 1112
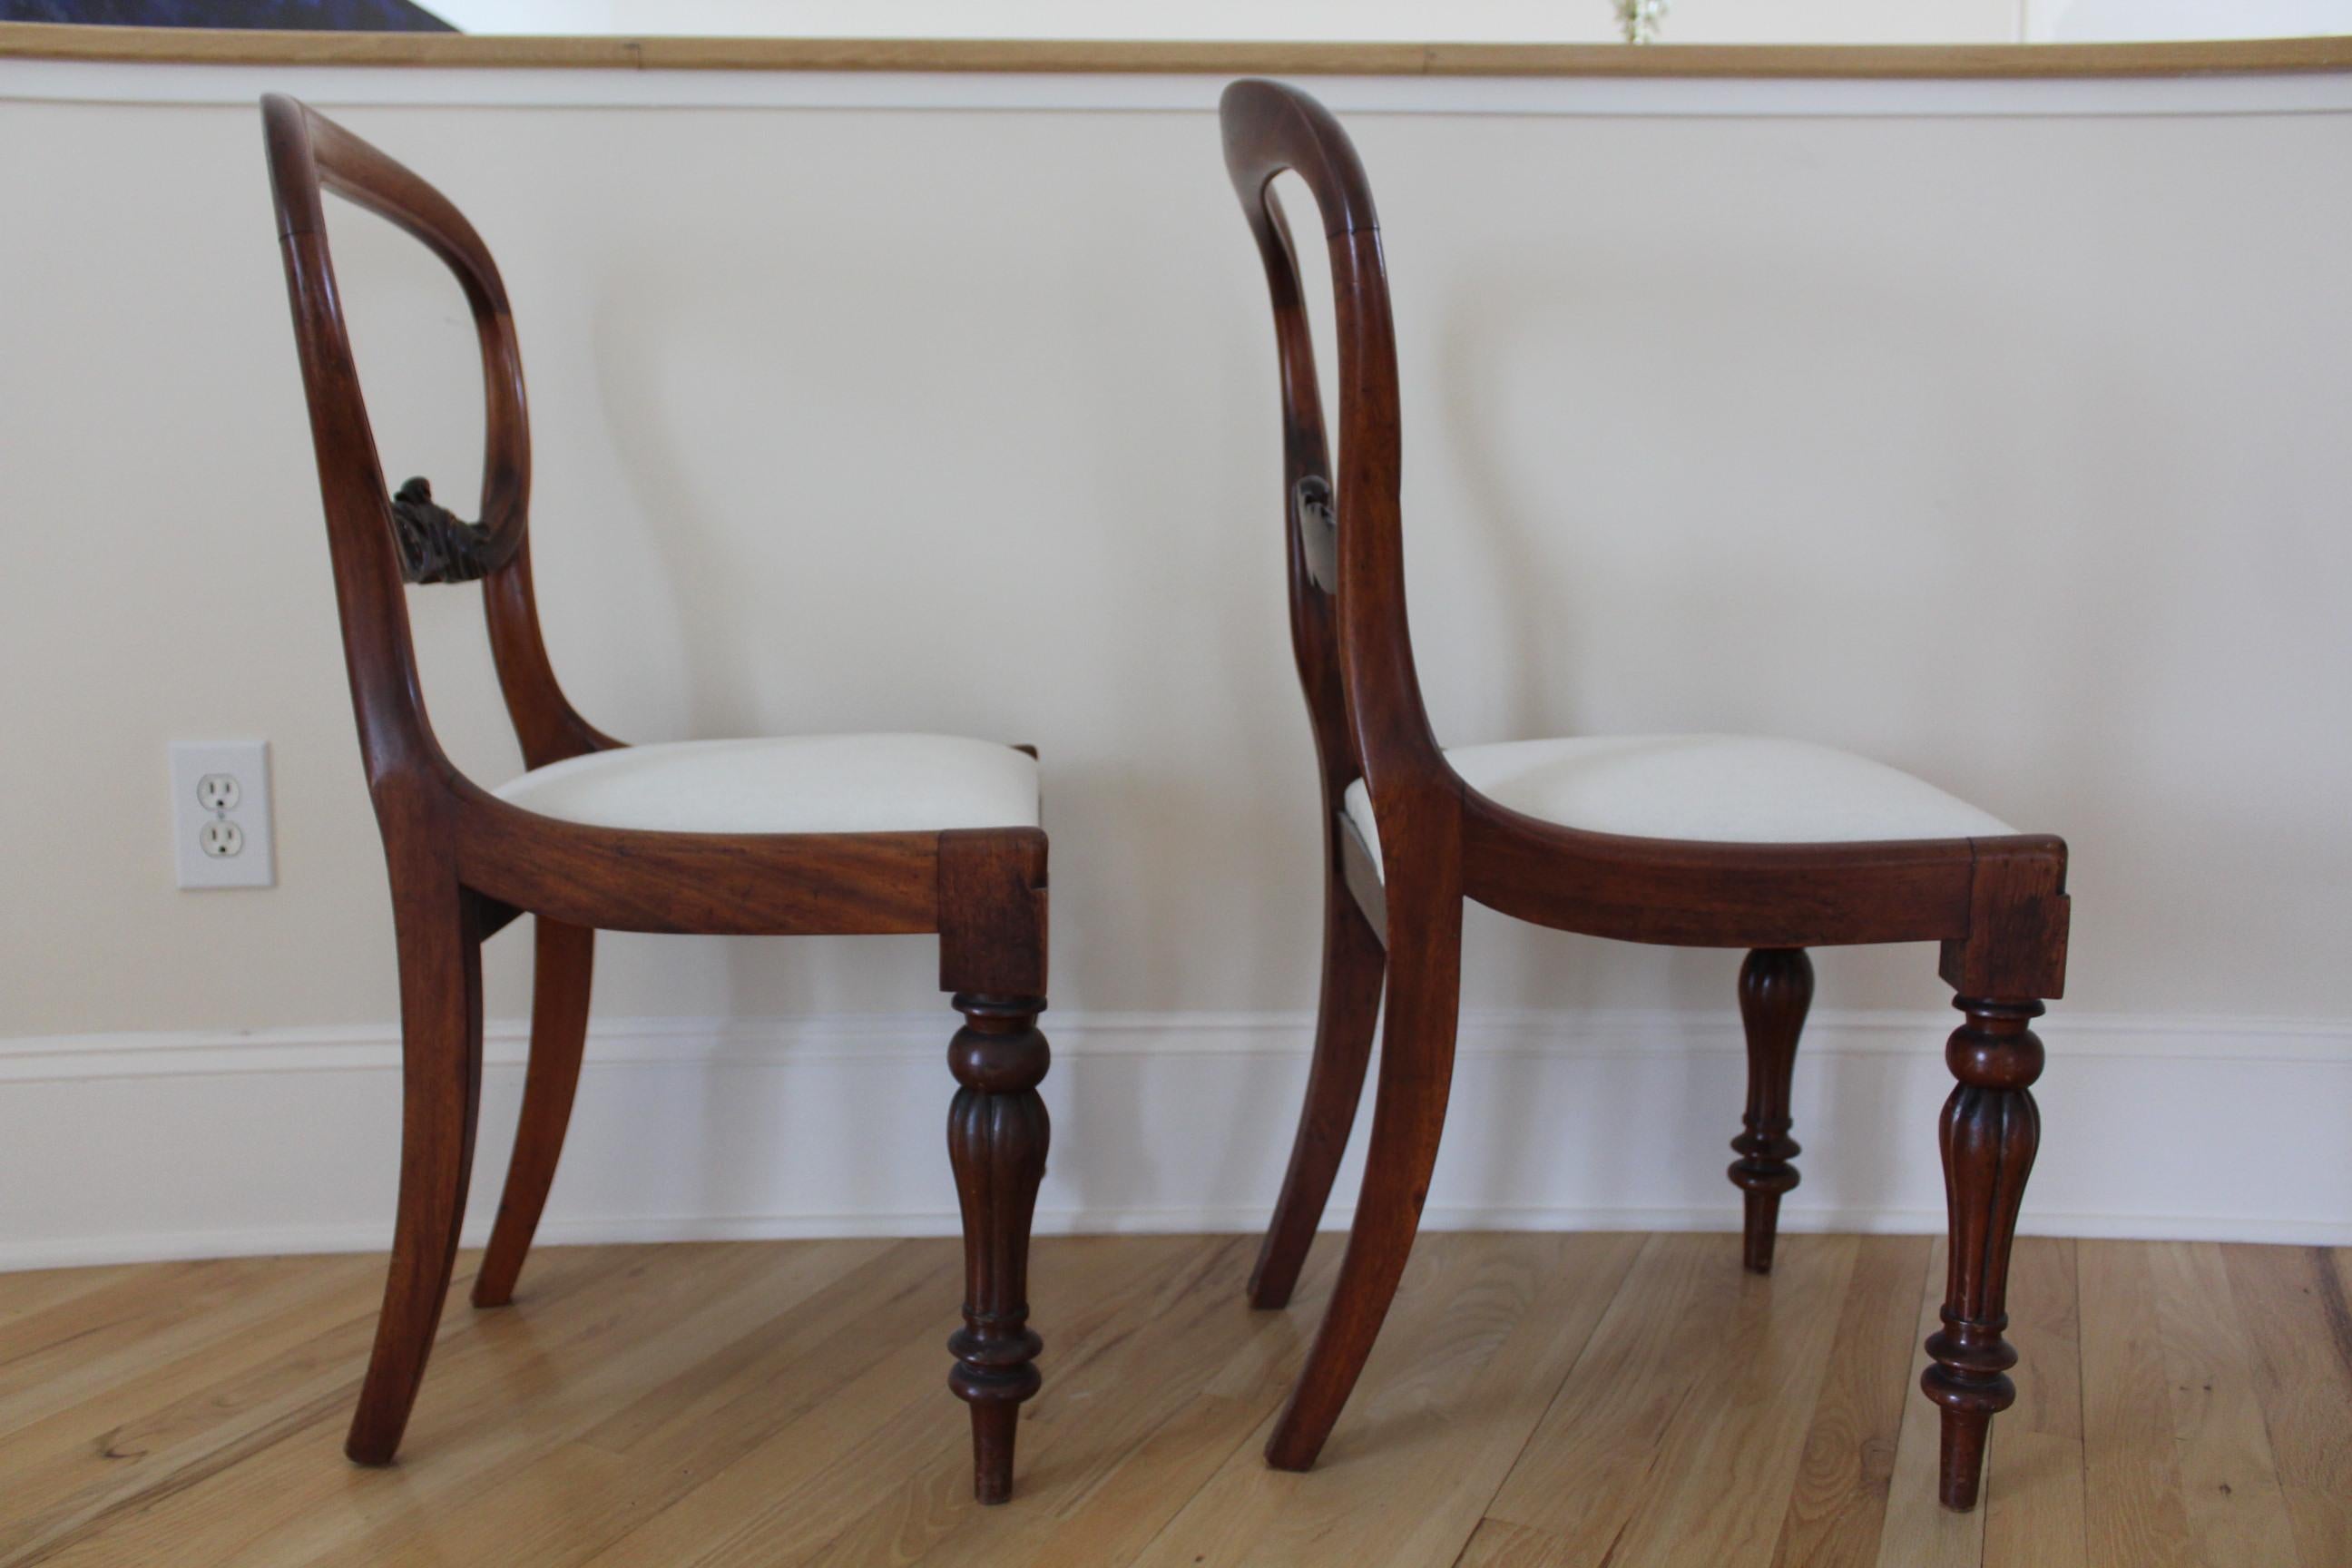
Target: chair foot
1991, 1132
994, 1423
1290, 1448
1353, 963
1776, 988
1960, 1466
563, 962
997, 1137
441, 1028
1760, 1225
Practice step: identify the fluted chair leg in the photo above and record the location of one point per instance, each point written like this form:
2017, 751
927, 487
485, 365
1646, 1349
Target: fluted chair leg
1991, 1132
992, 904
997, 1137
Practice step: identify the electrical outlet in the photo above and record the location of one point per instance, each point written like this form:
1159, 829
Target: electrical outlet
220, 814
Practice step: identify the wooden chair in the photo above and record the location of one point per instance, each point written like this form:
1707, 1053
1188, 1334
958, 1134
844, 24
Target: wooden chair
1695, 841
838, 834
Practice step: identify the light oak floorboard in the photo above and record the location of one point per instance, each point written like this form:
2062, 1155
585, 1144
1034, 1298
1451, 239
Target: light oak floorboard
1144, 1422
56, 1358
1837, 1505
1920, 1533
1578, 1479
1135, 1357
1484, 1330
1496, 1543
500, 1385
1681, 1434
31, 1291
149, 1432
756, 1375
2033, 1496
892, 1439
2135, 1517
2229, 1478
1718, 1488
1535, 1401
2291, 1303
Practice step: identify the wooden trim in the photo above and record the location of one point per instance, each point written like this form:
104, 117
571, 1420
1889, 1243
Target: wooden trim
195, 46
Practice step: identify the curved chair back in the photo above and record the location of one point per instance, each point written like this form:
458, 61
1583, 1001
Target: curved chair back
1347, 562
379, 541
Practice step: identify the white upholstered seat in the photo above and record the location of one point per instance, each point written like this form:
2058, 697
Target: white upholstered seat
1737, 789
806, 784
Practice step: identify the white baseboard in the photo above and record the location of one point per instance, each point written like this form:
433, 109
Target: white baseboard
126, 1147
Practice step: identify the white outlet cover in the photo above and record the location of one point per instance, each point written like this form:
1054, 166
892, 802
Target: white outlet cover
247, 761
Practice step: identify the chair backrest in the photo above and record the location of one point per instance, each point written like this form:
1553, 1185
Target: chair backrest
379, 541
1347, 565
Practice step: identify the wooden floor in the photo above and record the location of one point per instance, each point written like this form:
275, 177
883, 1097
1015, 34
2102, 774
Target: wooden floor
1588, 1400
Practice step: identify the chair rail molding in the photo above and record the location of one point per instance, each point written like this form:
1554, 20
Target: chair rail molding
2321, 89
616, 52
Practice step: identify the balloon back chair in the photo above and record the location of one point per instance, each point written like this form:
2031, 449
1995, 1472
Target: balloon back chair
835, 835
1774, 847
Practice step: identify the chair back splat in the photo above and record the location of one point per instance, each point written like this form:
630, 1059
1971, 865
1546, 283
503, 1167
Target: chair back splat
1346, 536
379, 541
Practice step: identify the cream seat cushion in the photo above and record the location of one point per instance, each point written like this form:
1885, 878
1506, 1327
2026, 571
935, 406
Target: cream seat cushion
807, 784
1736, 789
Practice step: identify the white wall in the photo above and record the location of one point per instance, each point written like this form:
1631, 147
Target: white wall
2004, 442
2092, 21
1513, 21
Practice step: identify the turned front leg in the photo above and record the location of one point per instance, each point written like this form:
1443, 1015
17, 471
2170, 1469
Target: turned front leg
1776, 987
997, 1133
1990, 1130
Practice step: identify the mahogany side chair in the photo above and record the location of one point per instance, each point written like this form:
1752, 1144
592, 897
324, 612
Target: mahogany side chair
838, 834
1771, 846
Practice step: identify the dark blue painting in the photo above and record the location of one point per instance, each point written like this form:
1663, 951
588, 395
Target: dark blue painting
324, 15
